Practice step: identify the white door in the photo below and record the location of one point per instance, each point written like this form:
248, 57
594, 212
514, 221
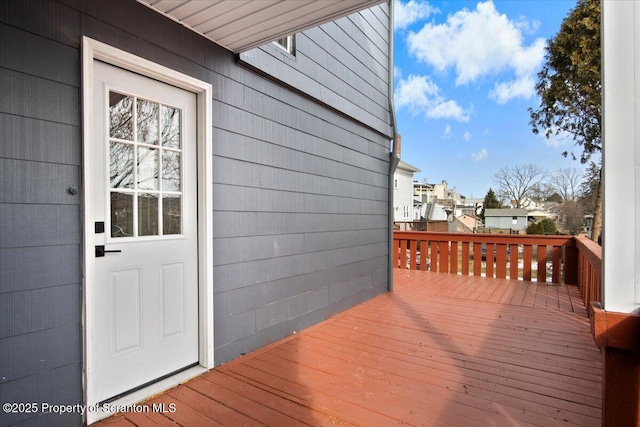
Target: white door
143, 215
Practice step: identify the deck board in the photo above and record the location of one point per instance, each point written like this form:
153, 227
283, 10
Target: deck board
441, 350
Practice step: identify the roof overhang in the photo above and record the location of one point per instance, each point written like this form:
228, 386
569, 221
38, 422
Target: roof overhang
240, 25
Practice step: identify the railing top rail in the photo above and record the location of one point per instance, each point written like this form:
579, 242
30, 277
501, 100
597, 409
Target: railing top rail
515, 239
591, 250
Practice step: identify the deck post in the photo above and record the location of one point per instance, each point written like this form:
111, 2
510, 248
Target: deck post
617, 336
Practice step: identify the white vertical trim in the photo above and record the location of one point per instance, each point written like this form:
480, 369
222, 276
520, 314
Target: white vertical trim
92, 50
621, 178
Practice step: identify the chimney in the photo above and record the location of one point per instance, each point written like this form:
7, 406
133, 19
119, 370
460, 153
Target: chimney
398, 145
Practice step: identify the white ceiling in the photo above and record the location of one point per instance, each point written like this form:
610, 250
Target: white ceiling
240, 25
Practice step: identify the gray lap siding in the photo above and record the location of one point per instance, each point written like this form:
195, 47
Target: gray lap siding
299, 193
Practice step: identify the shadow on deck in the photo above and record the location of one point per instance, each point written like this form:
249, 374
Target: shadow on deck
441, 349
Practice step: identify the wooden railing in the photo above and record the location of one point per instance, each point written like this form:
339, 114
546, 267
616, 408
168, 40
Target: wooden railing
589, 270
488, 255
554, 259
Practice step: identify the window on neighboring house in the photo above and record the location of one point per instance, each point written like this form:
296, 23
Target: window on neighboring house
287, 43
395, 183
514, 220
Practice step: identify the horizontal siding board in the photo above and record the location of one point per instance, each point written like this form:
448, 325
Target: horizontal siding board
234, 328
358, 87
35, 97
299, 80
242, 199
277, 222
254, 248
30, 54
35, 310
60, 386
254, 296
37, 182
47, 19
244, 80
41, 351
136, 21
37, 140
233, 276
302, 121
246, 149
237, 172
25, 225
152, 49
38, 267
243, 249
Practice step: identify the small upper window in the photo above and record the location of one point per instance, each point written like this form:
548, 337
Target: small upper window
287, 43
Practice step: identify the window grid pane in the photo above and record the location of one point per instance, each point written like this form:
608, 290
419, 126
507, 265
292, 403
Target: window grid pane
146, 196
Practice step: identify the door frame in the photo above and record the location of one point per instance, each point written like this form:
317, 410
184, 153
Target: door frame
95, 50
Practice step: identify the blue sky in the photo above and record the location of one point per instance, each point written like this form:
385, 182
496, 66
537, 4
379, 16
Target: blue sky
464, 78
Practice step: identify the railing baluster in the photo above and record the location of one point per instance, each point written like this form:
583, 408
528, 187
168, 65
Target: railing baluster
403, 254
412, 254
513, 270
443, 266
465, 258
453, 258
556, 255
477, 258
501, 261
542, 263
434, 256
489, 260
424, 252
526, 263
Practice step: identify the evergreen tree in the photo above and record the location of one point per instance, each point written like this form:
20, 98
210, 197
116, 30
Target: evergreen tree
490, 202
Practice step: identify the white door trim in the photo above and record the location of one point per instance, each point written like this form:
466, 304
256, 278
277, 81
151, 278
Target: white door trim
92, 50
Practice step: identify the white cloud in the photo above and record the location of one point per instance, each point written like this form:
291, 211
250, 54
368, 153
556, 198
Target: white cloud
467, 136
520, 88
420, 95
397, 72
405, 14
480, 155
479, 43
447, 132
526, 26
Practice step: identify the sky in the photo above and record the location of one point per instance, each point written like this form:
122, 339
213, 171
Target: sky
464, 78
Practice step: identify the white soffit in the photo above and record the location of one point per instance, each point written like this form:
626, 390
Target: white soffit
240, 25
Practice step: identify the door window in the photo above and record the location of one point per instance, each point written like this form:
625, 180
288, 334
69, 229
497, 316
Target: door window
145, 169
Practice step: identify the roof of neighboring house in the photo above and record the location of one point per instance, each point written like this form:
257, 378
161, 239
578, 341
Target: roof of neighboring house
539, 213
505, 212
406, 166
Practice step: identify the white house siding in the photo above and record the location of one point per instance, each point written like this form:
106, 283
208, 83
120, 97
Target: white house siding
403, 192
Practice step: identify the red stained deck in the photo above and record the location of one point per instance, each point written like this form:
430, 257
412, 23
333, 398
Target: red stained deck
441, 350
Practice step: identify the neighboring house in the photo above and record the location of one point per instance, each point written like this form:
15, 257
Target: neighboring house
439, 203
248, 188
515, 219
471, 223
403, 202
528, 203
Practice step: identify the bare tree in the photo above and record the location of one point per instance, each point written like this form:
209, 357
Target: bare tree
518, 183
572, 216
566, 182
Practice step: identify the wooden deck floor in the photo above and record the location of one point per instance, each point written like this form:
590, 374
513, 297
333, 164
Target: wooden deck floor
441, 350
